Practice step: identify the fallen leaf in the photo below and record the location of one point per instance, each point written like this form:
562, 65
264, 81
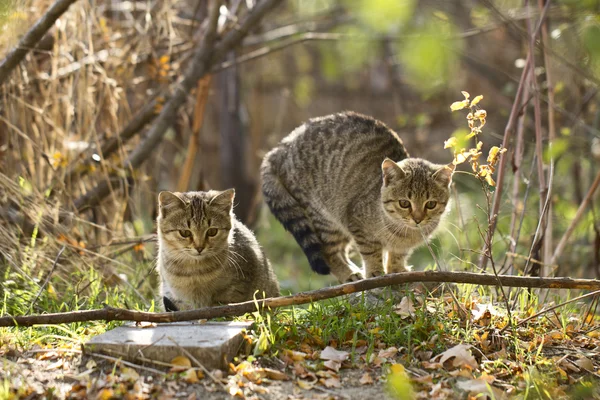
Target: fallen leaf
129, 374
180, 364
105, 394
405, 309
366, 379
389, 352
585, 363
460, 355
306, 385
295, 355
274, 374
431, 365
376, 360
190, 376
143, 324
331, 382
478, 386
236, 391
329, 353
332, 365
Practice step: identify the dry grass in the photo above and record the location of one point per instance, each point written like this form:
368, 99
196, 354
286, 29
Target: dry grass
57, 108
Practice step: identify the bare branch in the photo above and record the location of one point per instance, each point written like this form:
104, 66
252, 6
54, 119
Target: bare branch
206, 56
117, 314
33, 36
508, 132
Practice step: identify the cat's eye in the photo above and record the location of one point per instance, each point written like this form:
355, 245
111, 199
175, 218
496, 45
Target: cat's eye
404, 203
185, 233
430, 205
212, 232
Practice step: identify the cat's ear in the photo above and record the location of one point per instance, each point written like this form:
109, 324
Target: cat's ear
391, 171
224, 200
444, 174
168, 201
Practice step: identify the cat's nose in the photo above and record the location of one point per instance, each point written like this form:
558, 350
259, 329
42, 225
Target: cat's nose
418, 220
199, 249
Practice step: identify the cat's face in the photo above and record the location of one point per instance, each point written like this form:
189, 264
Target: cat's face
415, 192
195, 225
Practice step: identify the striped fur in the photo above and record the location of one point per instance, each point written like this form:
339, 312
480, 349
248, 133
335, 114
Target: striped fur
328, 184
207, 257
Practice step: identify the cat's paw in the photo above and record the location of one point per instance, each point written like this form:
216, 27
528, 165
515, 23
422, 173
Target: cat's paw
355, 277
373, 274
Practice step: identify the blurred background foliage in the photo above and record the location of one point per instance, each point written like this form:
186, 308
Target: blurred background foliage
401, 61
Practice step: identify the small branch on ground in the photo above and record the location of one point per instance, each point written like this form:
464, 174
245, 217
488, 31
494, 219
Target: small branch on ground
32, 37
118, 314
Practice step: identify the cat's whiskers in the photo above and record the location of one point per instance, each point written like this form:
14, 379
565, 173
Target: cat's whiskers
231, 257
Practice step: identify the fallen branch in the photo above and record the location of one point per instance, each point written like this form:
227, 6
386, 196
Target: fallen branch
33, 36
118, 314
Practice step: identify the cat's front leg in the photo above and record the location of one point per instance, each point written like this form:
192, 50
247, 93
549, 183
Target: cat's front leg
396, 262
372, 255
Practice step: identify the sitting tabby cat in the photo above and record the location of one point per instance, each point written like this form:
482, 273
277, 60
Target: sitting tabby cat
205, 255
347, 178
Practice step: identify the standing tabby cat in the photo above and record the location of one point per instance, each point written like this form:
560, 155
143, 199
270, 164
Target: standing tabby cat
332, 182
205, 255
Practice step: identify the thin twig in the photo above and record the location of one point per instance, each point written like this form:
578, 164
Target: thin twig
508, 132
118, 314
37, 296
127, 363
33, 36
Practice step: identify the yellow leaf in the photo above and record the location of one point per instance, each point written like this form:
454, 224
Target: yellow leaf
490, 180
470, 135
493, 154
397, 368
459, 105
375, 331
459, 158
180, 363
164, 59
466, 94
105, 394
52, 292
190, 376
476, 100
450, 143
480, 114
399, 384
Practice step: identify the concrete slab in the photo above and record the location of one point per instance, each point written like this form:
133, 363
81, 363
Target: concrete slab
213, 344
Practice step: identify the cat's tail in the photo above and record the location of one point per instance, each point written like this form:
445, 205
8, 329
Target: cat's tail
290, 212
